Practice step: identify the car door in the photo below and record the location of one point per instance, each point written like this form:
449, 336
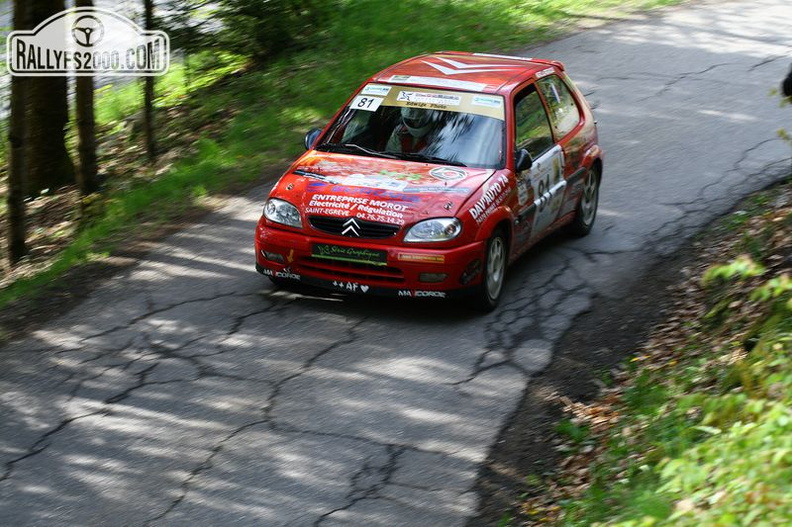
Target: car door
540, 187
566, 119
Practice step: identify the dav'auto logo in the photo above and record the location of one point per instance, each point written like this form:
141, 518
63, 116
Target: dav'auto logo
86, 41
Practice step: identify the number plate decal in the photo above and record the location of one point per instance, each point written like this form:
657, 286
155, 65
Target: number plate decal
365, 102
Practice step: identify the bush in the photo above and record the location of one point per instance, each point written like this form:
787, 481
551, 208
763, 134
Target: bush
263, 29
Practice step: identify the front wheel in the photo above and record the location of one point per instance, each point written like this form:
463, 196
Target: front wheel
488, 293
586, 211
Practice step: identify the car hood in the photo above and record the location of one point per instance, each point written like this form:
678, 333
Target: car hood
376, 189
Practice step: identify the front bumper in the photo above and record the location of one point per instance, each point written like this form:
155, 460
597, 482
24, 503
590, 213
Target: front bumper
398, 272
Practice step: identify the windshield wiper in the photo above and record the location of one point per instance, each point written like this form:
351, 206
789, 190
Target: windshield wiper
415, 156
352, 147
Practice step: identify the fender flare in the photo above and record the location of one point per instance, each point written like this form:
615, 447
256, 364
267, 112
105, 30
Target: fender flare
503, 215
591, 156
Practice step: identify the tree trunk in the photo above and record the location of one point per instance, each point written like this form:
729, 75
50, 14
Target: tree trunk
16, 162
48, 162
148, 92
87, 172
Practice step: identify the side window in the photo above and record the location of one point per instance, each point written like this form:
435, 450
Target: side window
564, 112
531, 124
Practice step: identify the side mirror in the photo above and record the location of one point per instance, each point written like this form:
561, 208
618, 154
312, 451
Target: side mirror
311, 137
522, 160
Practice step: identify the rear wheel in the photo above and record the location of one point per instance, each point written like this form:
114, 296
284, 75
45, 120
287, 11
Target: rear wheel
488, 293
586, 211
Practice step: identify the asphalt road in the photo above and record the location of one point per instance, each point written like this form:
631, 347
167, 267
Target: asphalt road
189, 391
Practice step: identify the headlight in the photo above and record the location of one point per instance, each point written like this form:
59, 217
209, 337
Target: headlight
434, 230
282, 212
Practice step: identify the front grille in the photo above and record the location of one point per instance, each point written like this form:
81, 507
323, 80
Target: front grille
353, 270
353, 227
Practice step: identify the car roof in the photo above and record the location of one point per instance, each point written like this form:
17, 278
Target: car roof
478, 72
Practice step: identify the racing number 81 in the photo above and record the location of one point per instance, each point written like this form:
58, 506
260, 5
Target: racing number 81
369, 104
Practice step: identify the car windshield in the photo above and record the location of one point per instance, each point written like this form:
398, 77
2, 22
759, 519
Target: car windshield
421, 124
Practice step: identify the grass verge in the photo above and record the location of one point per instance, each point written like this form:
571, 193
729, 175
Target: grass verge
698, 428
222, 126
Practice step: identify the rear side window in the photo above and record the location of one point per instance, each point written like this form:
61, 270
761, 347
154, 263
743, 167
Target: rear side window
564, 112
531, 124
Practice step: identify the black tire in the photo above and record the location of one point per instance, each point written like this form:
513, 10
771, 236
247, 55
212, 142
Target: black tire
488, 294
586, 211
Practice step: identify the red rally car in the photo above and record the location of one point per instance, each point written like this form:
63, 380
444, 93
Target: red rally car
436, 174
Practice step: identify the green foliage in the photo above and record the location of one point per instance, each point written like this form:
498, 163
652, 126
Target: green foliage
741, 474
741, 267
574, 432
705, 435
506, 520
264, 29
189, 23
117, 102
716, 444
774, 288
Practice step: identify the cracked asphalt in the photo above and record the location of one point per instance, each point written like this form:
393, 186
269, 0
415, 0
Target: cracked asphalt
189, 391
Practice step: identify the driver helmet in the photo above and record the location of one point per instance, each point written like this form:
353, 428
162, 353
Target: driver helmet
417, 120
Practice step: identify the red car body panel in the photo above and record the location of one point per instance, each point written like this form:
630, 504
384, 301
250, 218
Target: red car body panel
386, 197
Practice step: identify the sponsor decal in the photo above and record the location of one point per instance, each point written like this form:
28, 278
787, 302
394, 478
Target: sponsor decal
350, 254
412, 177
87, 41
434, 99
544, 73
320, 186
421, 294
351, 287
435, 189
322, 211
424, 258
430, 294
523, 188
490, 101
448, 173
373, 209
374, 181
286, 274
492, 196
439, 82
547, 179
447, 100
375, 89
